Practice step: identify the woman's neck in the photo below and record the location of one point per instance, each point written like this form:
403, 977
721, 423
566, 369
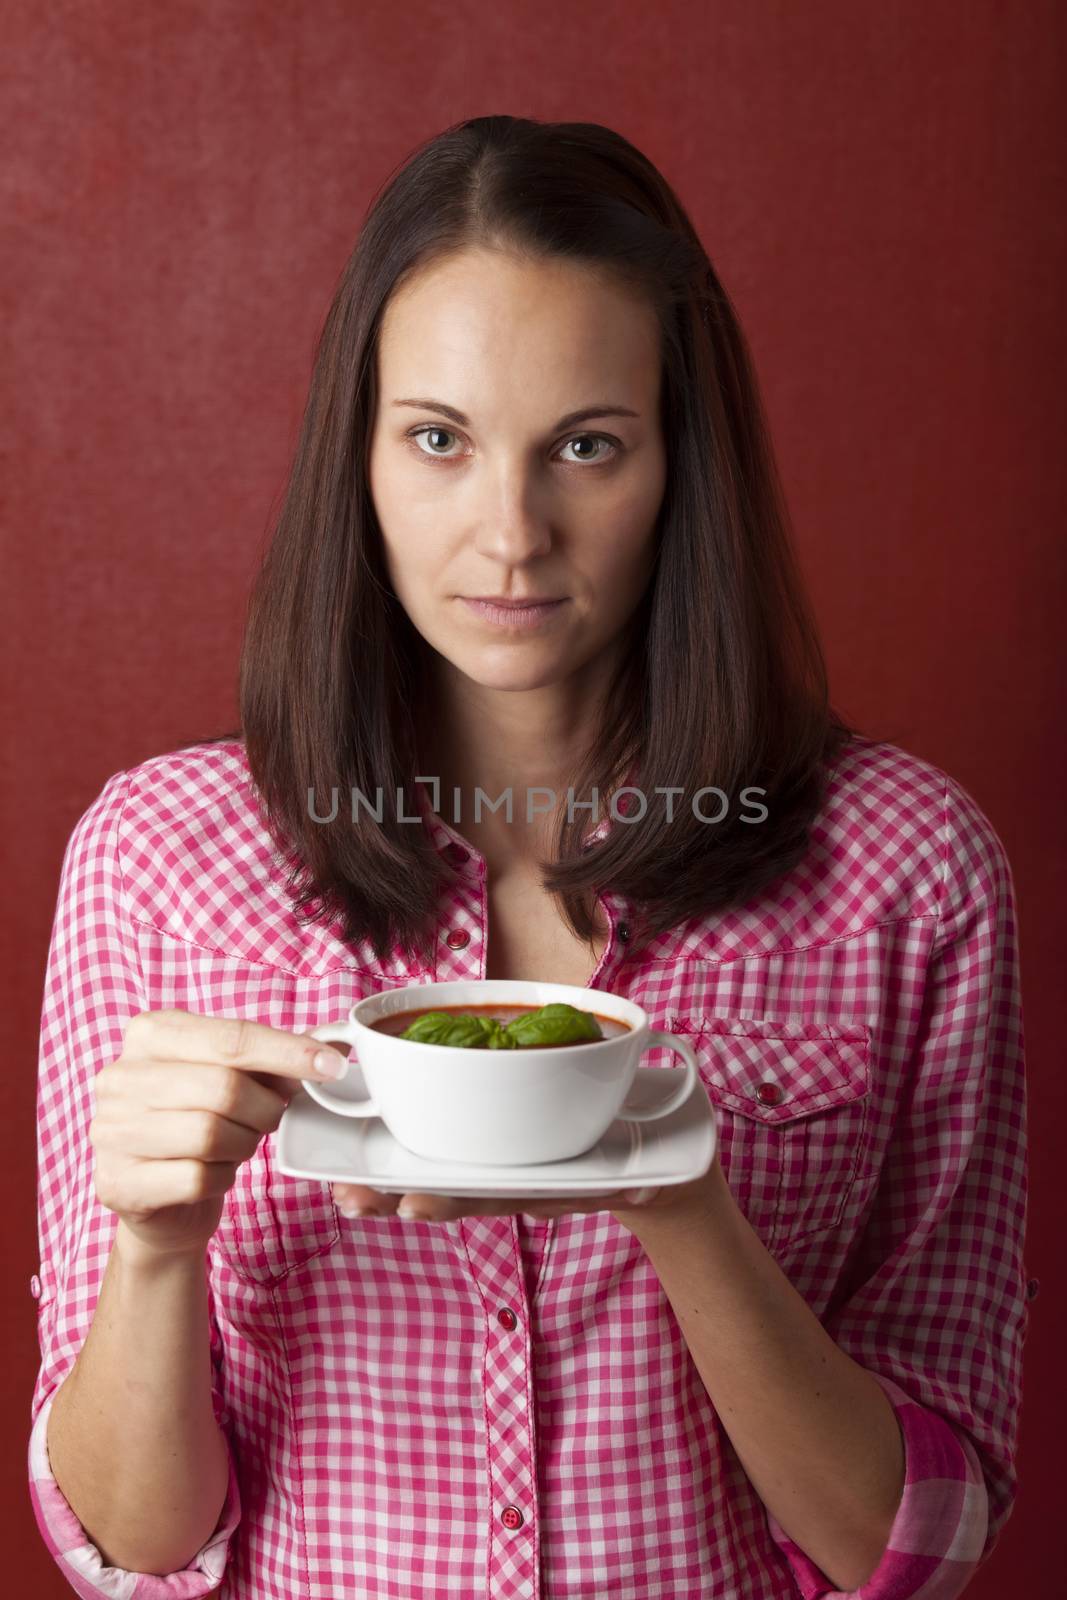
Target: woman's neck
516, 745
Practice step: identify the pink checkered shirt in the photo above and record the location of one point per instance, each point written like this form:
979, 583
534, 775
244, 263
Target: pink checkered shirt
505, 1406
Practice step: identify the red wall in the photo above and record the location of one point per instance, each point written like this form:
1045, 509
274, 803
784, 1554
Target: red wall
877, 187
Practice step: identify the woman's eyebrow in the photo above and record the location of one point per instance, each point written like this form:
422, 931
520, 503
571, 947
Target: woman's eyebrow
586, 414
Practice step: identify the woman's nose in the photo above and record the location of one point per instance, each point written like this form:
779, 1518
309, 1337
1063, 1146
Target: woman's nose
514, 533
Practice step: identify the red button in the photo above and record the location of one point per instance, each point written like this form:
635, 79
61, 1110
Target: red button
456, 854
511, 1517
35, 1287
457, 939
506, 1318
768, 1094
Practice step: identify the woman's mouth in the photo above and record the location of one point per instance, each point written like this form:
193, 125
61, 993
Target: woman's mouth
506, 615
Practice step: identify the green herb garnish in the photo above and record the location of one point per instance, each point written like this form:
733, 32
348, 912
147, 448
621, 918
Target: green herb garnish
552, 1024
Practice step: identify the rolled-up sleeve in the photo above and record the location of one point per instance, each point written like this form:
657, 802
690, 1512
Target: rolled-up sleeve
93, 987
939, 1311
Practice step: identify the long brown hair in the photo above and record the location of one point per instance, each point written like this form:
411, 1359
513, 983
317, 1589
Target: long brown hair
723, 682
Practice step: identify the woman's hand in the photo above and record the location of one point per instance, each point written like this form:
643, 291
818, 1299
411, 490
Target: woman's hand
680, 1200
187, 1101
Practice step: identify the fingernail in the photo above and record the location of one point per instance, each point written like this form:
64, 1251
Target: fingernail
330, 1063
411, 1212
639, 1197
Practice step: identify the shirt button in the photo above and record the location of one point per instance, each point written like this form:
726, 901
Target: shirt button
457, 939
768, 1094
624, 931
1032, 1288
456, 854
506, 1318
35, 1287
511, 1517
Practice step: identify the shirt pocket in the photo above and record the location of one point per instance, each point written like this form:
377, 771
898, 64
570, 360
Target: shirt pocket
792, 1103
272, 1224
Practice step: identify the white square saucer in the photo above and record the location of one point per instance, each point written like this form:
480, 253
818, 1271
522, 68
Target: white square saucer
314, 1143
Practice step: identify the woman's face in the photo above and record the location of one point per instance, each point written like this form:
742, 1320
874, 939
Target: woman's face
509, 502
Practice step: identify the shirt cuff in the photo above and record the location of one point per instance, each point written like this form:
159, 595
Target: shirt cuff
939, 1532
81, 1562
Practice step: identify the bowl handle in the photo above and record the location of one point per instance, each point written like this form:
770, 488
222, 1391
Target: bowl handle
689, 1081
337, 1100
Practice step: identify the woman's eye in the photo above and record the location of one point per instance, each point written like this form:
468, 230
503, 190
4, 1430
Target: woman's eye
594, 438
417, 433
429, 431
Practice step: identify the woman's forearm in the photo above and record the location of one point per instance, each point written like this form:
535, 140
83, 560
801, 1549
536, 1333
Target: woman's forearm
815, 1433
132, 1438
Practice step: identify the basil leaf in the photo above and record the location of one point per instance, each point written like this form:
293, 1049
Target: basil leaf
438, 1027
499, 1038
557, 1023
552, 1024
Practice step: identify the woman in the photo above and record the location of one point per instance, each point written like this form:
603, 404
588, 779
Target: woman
798, 1374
